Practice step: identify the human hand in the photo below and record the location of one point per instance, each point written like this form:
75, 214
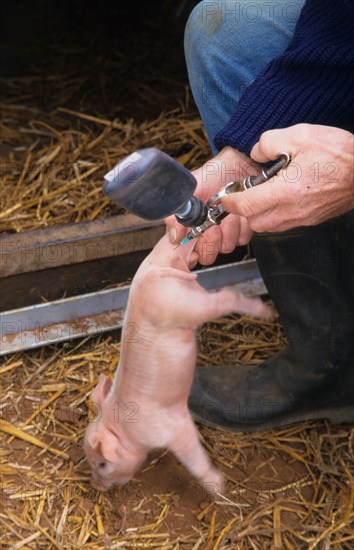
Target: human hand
317, 185
228, 165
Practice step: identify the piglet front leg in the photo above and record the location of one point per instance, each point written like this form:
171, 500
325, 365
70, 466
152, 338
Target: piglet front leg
203, 306
186, 446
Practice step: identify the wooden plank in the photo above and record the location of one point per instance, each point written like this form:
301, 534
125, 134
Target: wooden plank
34, 287
76, 243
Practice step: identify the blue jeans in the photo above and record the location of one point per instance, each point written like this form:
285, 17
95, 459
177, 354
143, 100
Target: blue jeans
227, 43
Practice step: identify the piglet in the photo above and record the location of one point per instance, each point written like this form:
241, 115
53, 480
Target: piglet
146, 405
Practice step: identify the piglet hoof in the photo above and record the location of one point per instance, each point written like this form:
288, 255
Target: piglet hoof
213, 483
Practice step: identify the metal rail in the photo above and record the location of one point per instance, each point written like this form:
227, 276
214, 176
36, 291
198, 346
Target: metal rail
79, 257
101, 311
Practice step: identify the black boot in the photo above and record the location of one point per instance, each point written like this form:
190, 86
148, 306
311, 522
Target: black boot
309, 273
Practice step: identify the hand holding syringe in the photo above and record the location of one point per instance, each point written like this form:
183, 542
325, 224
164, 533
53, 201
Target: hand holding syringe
153, 185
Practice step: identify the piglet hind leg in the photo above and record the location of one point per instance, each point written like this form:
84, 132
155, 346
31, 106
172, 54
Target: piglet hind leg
186, 446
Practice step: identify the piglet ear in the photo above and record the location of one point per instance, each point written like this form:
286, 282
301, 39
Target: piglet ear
100, 392
94, 440
106, 443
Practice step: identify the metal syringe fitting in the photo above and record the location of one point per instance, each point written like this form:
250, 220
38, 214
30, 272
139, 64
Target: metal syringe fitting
215, 215
268, 172
193, 213
216, 212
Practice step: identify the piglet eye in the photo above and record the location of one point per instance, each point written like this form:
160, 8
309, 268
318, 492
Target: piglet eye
102, 465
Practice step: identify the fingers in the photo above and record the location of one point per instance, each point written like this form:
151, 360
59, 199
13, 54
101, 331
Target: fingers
268, 196
227, 166
193, 260
230, 231
270, 145
289, 140
304, 193
246, 232
270, 221
209, 245
222, 239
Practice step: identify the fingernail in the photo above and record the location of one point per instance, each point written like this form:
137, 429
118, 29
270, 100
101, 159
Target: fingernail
173, 235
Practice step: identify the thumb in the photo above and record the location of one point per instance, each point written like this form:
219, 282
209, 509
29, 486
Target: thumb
256, 200
176, 231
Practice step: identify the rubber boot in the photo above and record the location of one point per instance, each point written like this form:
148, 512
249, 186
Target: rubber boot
309, 273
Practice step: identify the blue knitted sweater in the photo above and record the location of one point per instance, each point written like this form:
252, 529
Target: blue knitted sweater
312, 81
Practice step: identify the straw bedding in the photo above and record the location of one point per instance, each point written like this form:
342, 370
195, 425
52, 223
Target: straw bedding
287, 488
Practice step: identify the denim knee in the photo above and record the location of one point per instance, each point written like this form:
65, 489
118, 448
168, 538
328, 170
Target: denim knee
245, 26
227, 44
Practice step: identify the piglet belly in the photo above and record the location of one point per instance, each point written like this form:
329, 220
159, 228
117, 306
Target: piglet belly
159, 367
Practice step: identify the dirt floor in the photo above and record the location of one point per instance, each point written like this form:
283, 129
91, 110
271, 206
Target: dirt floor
98, 88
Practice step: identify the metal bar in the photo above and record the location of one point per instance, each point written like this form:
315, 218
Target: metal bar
98, 312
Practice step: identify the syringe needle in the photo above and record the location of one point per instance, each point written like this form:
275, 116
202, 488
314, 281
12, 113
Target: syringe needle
187, 238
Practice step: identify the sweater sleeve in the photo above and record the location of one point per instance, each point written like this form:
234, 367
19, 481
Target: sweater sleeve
312, 81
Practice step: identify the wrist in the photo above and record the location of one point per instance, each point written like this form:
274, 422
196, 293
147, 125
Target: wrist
230, 154
234, 165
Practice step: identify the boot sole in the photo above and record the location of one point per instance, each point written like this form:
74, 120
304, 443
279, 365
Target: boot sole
335, 416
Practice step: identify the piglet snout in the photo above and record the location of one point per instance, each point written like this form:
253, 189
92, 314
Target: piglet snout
99, 483
104, 484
